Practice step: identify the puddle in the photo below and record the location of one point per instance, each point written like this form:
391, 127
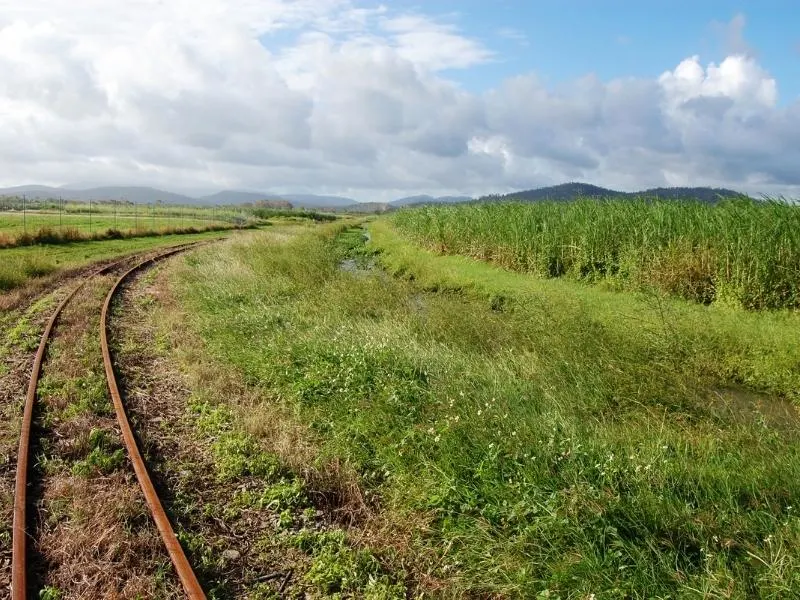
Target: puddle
361, 263
417, 303
745, 406
350, 265
358, 266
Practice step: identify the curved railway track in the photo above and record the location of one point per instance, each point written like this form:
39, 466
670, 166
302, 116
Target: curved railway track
20, 534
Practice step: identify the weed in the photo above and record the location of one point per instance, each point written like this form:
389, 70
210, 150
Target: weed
236, 453
340, 571
50, 593
99, 461
104, 454
281, 496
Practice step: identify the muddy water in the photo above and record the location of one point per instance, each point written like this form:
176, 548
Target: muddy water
740, 405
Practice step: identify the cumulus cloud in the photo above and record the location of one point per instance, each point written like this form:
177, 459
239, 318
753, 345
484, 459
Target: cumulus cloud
329, 96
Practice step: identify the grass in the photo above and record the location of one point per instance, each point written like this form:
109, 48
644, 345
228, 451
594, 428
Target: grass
47, 219
548, 439
20, 265
55, 236
12, 224
312, 215
741, 252
249, 523
335, 568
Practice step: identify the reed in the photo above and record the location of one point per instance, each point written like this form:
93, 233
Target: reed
739, 251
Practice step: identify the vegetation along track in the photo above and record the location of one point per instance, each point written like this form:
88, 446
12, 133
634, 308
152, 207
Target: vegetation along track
20, 568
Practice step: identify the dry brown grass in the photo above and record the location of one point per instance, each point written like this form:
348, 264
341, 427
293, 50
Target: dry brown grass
98, 538
93, 532
21, 297
685, 273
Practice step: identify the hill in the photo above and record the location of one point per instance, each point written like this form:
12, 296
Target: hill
315, 201
569, 191
148, 195
236, 197
137, 194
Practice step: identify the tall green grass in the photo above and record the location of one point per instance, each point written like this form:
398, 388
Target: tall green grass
741, 252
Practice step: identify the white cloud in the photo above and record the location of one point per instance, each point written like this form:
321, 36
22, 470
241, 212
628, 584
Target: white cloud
732, 36
737, 78
433, 45
355, 100
515, 35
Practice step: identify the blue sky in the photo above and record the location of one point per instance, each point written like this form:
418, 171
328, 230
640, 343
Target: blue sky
563, 40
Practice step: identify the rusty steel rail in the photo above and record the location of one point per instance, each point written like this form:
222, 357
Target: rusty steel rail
184, 570
19, 569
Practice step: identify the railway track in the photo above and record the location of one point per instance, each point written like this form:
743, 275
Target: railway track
20, 533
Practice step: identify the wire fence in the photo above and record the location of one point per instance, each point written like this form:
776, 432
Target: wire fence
20, 214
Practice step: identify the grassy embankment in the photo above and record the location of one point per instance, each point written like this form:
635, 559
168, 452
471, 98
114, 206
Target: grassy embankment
739, 252
22, 264
547, 438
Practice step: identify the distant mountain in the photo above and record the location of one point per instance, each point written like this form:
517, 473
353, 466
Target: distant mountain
314, 201
564, 191
136, 194
425, 199
35, 192
139, 195
570, 191
147, 195
236, 197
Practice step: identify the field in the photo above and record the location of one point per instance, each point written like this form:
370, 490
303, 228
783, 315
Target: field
23, 264
44, 219
11, 223
740, 252
434, 403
